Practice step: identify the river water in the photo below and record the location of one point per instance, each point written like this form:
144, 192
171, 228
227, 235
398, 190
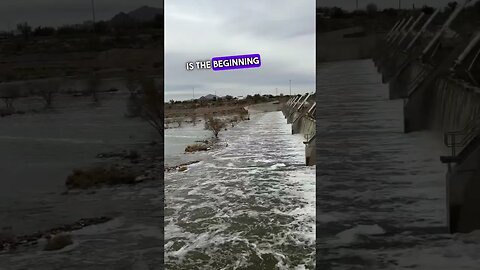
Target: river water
250, 205
38, 151
380, 193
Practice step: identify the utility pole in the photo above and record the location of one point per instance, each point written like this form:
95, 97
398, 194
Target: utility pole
357, 4
93, 14
276, 91
399, 4
290, 87
193, 92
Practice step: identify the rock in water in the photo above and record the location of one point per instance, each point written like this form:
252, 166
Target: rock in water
7, 237
196, 148
58, 242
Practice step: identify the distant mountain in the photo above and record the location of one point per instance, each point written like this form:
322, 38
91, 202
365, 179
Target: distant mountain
122, 19
145, 13
209, 97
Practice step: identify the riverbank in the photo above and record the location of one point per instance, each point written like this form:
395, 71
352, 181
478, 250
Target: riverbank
144, 164
40, 150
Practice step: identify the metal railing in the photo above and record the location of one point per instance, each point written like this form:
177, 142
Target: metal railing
309, 138
458, 140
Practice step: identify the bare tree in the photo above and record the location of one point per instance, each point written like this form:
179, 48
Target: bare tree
215, 125
133, 105
93, 84
9, 93
152, 104
194, 119
372, 9
25, 29
133, 82
46, 90
179, 121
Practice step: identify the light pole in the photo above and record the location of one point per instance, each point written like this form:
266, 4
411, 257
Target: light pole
356, 4
399, 4
290, 81
93, 11
193, 93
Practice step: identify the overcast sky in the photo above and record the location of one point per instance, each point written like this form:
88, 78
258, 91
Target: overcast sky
59, 12
350, 4
281, 31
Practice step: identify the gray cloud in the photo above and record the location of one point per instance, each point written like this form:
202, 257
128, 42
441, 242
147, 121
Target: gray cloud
282, 31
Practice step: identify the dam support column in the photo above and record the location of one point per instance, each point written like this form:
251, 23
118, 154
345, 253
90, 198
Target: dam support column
311, 151
300, 113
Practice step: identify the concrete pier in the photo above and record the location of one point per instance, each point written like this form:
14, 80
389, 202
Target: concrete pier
300, 113
432, 72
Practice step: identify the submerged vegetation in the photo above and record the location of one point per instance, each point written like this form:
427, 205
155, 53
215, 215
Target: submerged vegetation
98, 176
196, 147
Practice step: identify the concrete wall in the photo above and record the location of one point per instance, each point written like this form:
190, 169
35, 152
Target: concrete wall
311, 152
302, 123
436, 99
463, 189
407, 78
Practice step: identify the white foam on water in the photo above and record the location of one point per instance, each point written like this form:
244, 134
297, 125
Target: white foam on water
103, 228
217, 208
352, 235
278, 165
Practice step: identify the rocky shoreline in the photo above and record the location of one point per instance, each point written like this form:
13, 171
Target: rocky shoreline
10, 242
181, 167
124, 168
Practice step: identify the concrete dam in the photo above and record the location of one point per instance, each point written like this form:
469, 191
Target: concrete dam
431, 61
300, 113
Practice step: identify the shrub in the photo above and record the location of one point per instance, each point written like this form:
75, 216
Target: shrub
215, 125
97, 176
196, 147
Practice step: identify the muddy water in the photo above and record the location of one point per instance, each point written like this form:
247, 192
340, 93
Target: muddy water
380, 192
38, 151
176, 139
249, 205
